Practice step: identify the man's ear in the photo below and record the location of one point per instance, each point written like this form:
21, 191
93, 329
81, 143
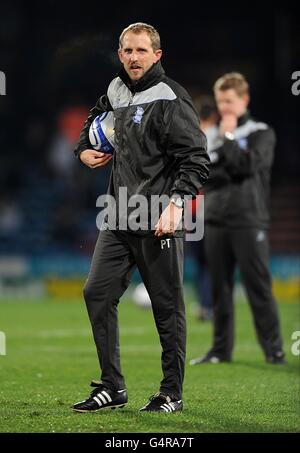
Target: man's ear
120, 55
158, 54
246, 99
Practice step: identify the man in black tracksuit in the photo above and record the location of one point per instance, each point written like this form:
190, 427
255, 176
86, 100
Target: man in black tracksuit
237, 220
159, 150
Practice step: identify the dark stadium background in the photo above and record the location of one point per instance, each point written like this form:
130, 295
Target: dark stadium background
58, 57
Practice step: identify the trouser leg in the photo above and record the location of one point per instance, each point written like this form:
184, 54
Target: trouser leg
160, 262
252, 252
111, 269
221, 265
203, 277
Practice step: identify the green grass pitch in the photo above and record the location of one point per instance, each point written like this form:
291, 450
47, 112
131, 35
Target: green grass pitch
50, 360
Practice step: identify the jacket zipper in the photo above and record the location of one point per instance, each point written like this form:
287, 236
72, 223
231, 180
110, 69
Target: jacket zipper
132, 94
131, 98
122, 127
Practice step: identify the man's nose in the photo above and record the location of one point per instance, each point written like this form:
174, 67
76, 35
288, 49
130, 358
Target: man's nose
133, 56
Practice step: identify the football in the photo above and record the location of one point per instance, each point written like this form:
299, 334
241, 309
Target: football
141, 297
101, 133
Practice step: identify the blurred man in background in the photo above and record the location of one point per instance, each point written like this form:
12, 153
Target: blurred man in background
208, 114
237, 221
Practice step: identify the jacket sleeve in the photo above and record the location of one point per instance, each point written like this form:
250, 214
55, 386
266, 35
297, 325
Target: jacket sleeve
101, 106
245, 157
186, 144
218, 177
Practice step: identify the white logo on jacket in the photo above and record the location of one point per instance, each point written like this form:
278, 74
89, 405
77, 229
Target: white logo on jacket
138, 115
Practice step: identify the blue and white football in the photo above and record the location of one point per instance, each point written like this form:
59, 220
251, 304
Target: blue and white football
102, 134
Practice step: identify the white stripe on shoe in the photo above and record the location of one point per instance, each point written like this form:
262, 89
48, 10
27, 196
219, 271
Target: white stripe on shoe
104, 393
102, 398
97, 401
169, 407
166, 407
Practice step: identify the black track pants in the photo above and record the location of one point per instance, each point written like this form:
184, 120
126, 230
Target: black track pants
160, 262
248, 248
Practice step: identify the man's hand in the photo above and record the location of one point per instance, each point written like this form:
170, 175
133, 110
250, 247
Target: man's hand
94, 159
169, 220
228, 123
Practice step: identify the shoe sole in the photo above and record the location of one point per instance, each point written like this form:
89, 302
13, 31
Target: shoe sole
160, 412
117, 406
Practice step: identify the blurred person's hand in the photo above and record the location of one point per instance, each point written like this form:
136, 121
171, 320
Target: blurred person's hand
94, 159
228, 123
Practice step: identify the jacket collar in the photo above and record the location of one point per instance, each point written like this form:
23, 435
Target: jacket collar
151, 77
244, 118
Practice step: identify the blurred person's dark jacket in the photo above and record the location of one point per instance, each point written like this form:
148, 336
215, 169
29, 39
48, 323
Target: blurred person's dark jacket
237, 193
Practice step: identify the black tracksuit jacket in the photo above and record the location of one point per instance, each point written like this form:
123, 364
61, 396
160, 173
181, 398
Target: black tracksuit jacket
237, 193
159, 147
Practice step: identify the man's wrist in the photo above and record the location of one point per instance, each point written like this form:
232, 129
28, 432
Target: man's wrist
229, 135
177, 200
80, 151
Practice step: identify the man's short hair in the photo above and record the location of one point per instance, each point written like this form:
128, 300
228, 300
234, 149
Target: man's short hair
232, 81
139, 27
205, 106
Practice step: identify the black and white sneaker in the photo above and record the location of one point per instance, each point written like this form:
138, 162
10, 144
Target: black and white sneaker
277, 358
162, 403
102, 398
208, 358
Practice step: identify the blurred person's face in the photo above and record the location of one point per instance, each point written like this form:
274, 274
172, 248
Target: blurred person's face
137, 54
230, 103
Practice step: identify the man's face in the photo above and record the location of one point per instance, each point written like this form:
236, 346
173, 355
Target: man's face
137, 54
230, 103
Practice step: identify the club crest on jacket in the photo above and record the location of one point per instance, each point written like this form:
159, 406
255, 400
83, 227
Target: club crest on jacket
138, 115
